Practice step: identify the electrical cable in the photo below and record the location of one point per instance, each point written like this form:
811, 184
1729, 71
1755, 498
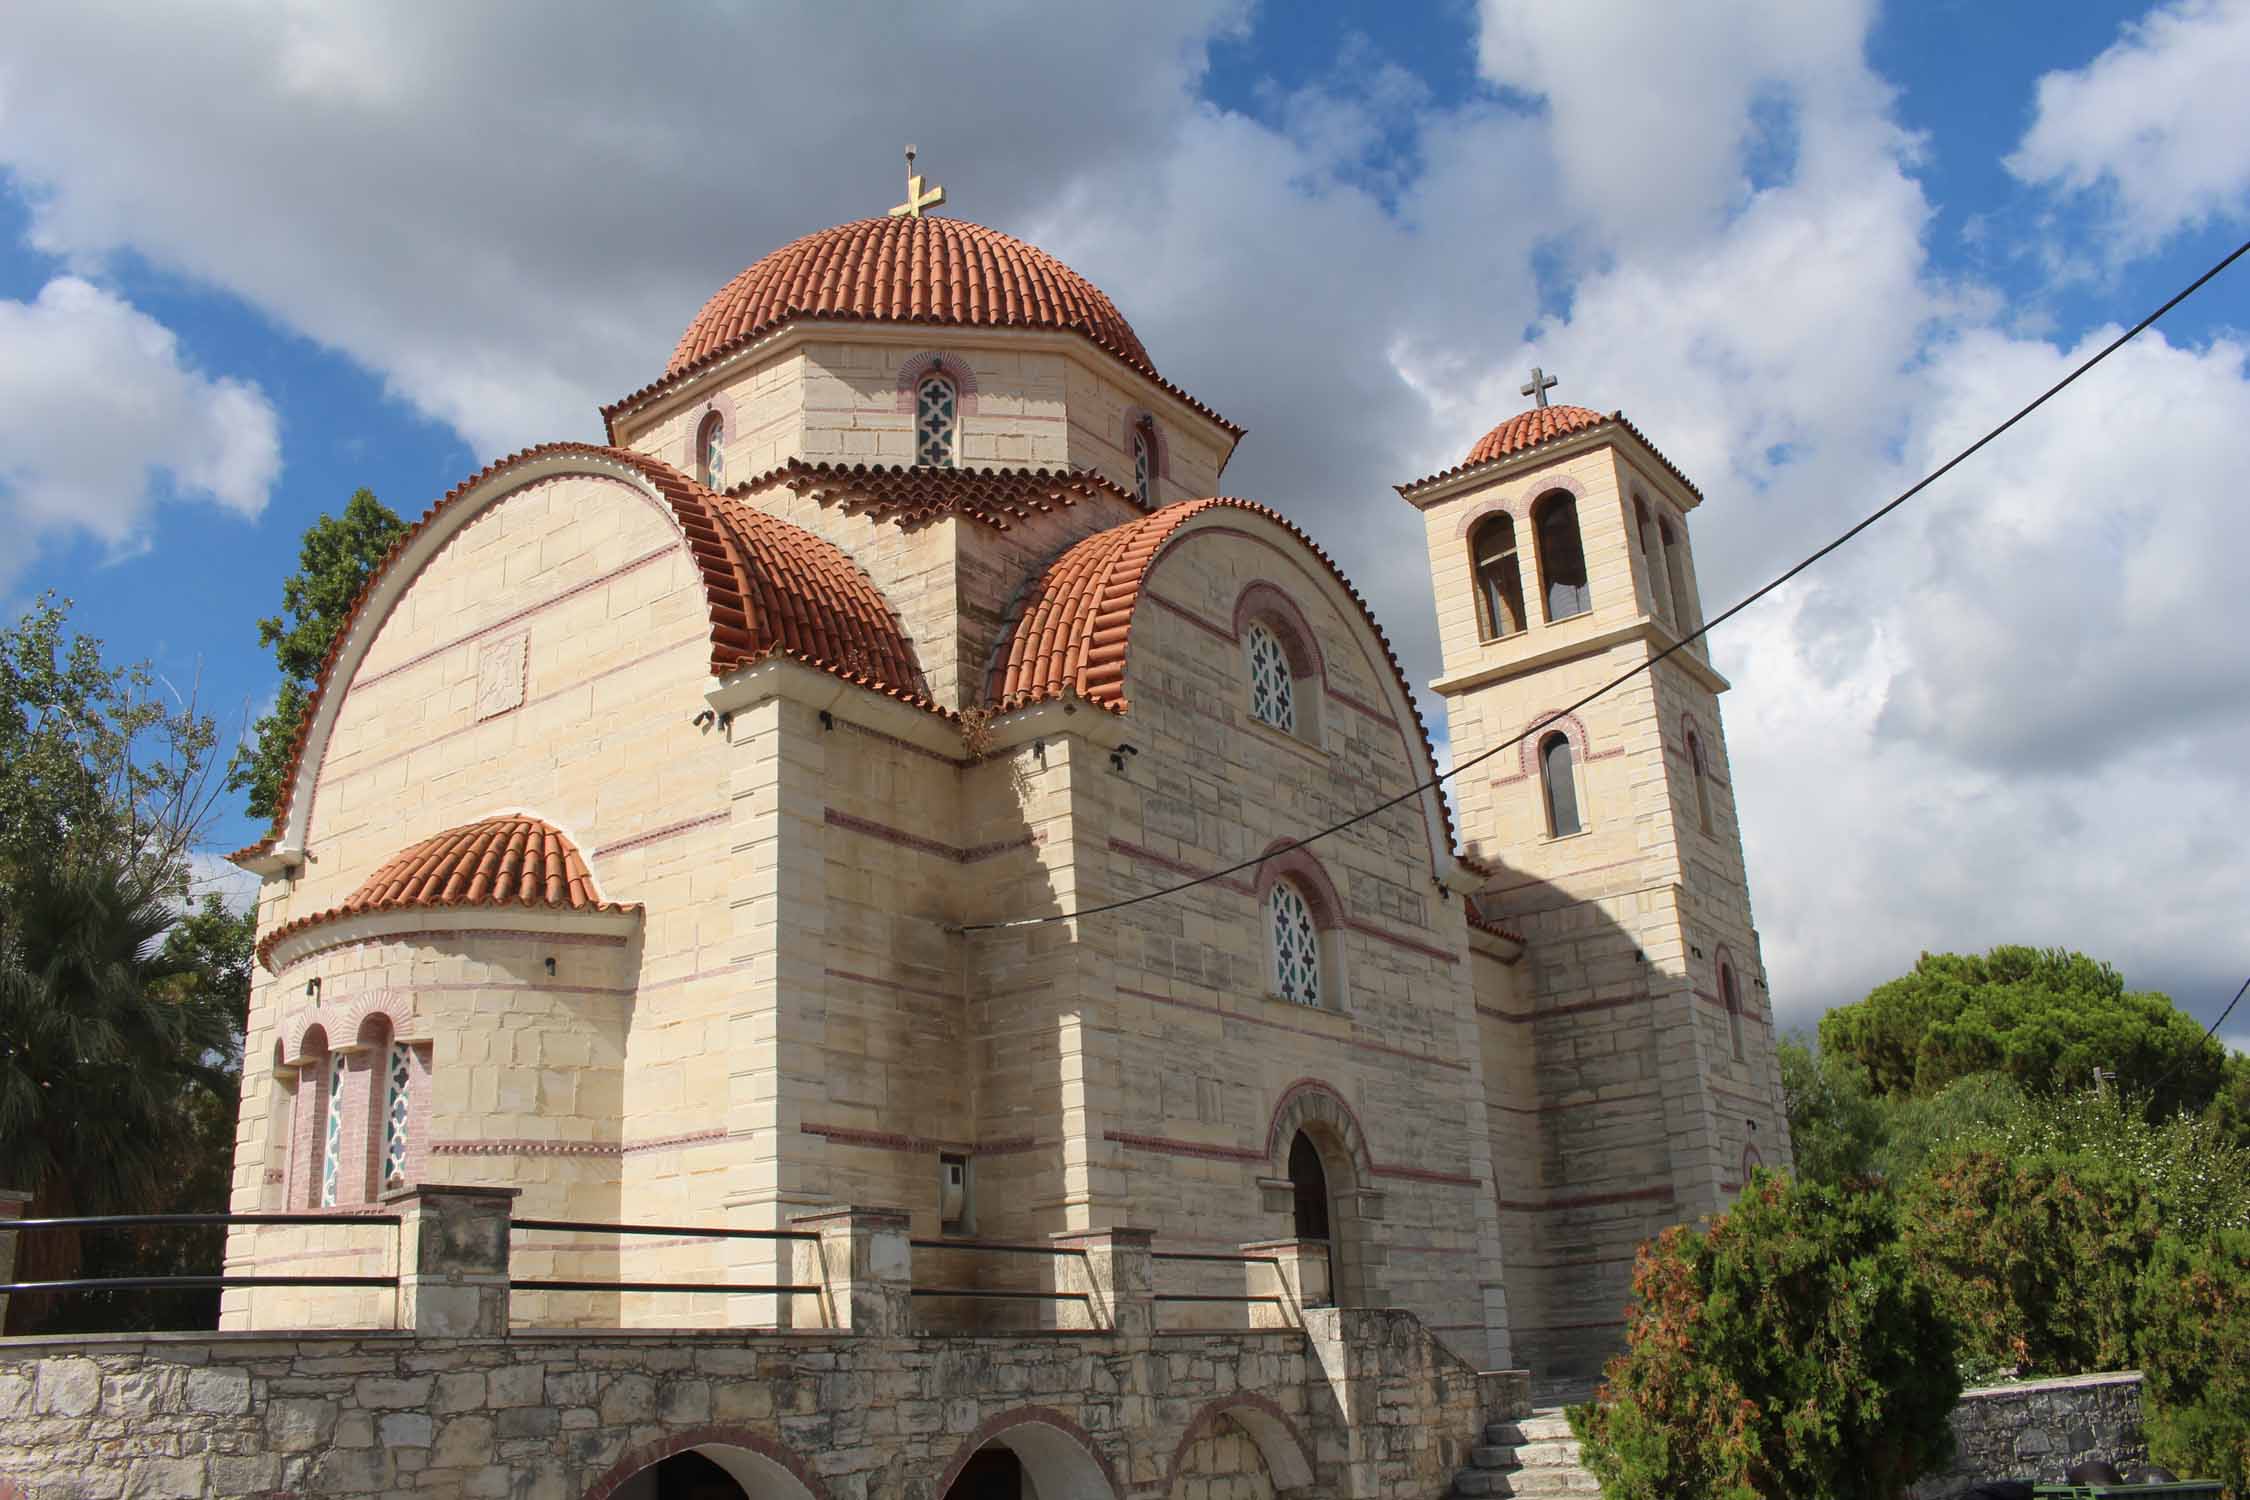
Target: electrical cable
2207, 1035
1651, 664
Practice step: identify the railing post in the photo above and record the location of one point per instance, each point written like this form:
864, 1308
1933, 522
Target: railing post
1119, 1275
453, 1259
1302, 1266
11, 1209
863, 1267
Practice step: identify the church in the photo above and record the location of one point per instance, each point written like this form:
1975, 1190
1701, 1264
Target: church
881, 775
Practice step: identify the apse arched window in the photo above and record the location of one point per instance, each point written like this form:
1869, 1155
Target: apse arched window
1293, 940
1144, 462
1499, 575
1675, 570
1733, 999
1652, 560
1702, 780
332, 1131
1559, 779
1562, 557
398, 1105
711, 451
1273, 684
937, 420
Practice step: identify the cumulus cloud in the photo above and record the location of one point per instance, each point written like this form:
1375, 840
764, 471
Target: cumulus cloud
1989, 723
2159, 123
100, 414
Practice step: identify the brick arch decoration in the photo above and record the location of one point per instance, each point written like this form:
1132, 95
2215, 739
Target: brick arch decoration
349, 1019
1284, 861
1268, 602
1573, 728
919, 367
1288, 1457
1314, 1101
757, 1478
1518, 510
770, 589
1065, 1461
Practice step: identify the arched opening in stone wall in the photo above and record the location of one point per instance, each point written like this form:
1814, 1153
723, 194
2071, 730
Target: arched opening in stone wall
712, 1471
1029, 1460
1318, 1148
1240, 1447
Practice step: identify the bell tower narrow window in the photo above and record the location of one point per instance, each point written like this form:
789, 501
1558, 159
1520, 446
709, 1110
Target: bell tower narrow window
1733, 998
1675, 569
1499, 576
1560, 782
1652, 561
711, 451
1562, 557
1702, 780
937, 409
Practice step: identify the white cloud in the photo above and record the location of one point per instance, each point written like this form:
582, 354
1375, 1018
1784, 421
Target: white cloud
100, 414
1996, 720
2160, 122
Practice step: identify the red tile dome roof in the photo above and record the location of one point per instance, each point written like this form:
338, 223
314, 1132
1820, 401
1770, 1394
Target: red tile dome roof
509, 861
1530, 429
909, 270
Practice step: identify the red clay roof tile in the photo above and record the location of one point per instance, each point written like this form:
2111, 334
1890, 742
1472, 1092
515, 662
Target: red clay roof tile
995, 497
509, 861
1543, 424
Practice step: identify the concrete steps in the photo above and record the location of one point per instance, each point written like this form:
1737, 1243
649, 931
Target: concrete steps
1530, 1459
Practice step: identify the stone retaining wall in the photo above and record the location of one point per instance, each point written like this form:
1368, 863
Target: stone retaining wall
2037, 1429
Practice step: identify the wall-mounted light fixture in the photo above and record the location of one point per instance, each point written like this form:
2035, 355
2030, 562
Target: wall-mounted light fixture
827, 721
312, 988
703, 719
1117, 757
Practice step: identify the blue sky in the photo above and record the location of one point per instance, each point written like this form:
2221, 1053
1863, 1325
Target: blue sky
1810, 248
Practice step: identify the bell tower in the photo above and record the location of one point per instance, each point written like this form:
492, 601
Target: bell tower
1560, 559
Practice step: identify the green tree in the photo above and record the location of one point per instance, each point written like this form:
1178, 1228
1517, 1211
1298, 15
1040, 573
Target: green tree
108, 1034
2045, 1018
1837, 1126
339, 554
1787, 1349
2194, 1316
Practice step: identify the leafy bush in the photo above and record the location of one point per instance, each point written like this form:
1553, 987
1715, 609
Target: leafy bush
2194, 1346
1787, 1349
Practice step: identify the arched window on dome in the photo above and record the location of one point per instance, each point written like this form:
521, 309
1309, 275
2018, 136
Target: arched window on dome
1499, 574
711, 451
1293, 945
1733, 999
1652, 561
1558, 776
937, 421
1562, 557
1702, 780
1144, 461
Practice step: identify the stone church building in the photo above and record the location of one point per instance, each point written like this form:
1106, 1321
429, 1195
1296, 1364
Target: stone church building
780, 806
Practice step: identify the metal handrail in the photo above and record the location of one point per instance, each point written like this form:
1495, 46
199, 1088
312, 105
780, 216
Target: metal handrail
1231, 1260
996, 1292
745, 1288
194, 1283
999, 1247
1211, 1297
574, 1226
137, 1221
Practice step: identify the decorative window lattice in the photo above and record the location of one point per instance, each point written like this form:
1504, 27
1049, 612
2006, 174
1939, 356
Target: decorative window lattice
332, 1146
1143, 465
400, 1080
1273, 690
711, 452
1296, 945
936, 409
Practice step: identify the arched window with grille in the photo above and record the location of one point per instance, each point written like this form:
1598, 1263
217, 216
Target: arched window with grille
1293, 945
1273, 682
711, 451
1144, 462
332, 1130
1558, 776
1562, 557
1702, 780
1660, 601
397, 1120
937, 420
1733, 1000
1499, 575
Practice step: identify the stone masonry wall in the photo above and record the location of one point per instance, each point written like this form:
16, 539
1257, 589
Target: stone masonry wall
1361, 1404
2037, 1430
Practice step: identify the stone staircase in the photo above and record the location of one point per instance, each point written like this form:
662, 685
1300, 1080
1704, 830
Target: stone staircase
1534, 1456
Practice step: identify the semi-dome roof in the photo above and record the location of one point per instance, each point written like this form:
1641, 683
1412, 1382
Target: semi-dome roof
1530, 429
909, 270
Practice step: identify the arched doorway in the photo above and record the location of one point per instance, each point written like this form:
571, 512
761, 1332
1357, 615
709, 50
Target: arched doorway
685, 1476
1308, 1179
1316, 1142
704, 1466
1029, 1457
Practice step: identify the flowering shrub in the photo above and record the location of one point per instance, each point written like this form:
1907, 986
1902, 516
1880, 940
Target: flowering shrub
1786, 1350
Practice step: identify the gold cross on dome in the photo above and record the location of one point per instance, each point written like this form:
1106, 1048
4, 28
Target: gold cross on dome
916, 198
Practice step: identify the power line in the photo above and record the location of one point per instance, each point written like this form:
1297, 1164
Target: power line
1679, 645
2212, 1032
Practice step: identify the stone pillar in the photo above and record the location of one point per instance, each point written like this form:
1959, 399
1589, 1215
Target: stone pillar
1117, 1275
1299, 1274
863, 1267
11, 1209
453, 1259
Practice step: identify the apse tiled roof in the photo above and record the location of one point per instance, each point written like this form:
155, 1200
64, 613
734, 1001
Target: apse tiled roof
1071, 634
512, 861
997, 497
933, 270
1543, 424
770, 588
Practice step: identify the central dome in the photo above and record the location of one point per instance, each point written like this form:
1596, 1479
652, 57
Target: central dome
909, 270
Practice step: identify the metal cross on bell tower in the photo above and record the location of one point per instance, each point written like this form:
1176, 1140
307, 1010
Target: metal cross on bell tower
916, 198
1541, 381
